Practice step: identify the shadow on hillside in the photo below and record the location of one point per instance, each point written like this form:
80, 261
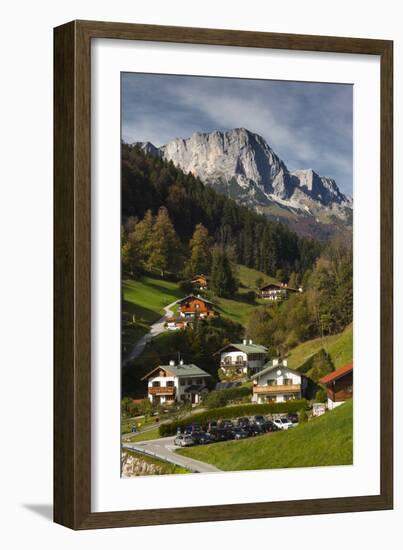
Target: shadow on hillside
176, 292
142, 314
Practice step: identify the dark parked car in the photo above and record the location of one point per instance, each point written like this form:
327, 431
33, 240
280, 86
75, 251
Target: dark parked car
270, 427
293, 417
192, 428
239, 433
244, 421
260, 420
226, 424
202, 438
218, 435
253, 429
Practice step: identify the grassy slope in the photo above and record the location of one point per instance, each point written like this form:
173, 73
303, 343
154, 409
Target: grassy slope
144, 436
339, 346
324, 441
239, 309
248, 276
145, 298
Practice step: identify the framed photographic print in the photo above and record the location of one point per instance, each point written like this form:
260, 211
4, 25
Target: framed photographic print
223, 275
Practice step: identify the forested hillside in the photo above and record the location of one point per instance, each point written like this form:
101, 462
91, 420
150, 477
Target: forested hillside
148, 183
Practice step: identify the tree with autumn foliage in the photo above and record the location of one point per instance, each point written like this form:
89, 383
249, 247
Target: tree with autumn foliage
200, 252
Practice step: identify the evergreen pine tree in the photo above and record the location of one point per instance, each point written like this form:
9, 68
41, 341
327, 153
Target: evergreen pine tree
223, 282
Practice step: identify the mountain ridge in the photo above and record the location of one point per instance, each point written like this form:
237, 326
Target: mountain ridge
242, 165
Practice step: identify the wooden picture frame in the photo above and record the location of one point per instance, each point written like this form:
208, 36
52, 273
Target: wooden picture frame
72, 270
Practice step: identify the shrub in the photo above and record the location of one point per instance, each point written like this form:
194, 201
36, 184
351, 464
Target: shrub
220, 398
214, 400
234, 412
318, 365
302, 416
321, 396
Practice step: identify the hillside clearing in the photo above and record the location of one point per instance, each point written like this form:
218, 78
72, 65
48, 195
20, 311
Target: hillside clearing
339, 346
145, 298
324, 441
248, 276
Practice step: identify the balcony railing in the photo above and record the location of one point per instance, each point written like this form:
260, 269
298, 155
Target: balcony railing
161, 390
234, 364
279, 388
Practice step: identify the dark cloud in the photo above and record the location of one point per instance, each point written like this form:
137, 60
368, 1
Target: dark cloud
309, 125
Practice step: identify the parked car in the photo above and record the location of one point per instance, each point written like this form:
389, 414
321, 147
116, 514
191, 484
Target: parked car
293, 417
184, 440
243, 421
224, 434
226, 424
255, 429
201, 438
260, 420
283, 423
239, 433
270, 427
192, 428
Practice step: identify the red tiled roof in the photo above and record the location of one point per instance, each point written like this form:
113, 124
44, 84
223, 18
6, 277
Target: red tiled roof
337, 374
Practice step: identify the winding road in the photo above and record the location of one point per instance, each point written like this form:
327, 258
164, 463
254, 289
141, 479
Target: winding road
155, 329
164, 449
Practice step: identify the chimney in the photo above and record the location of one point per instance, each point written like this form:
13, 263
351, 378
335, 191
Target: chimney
181, 362
275, 362
285, 362
171, 363
250, 342
245, 342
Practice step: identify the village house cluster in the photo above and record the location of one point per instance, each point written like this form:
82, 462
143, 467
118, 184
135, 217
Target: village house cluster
272, 380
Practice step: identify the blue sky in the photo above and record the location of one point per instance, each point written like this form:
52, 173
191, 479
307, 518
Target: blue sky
309, 125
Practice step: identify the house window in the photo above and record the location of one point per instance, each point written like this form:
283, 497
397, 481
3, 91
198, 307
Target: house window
170, 383
156, 384
199, 381
289, 397
287, 381
239, 359
183, 381
272, 382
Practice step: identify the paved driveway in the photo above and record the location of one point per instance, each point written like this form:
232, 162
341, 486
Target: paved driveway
164, 448
155, 329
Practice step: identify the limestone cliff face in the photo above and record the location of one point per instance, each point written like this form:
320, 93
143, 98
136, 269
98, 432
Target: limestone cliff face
242, 165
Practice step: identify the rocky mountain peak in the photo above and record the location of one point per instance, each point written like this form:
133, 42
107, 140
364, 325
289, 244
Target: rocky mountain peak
242, 165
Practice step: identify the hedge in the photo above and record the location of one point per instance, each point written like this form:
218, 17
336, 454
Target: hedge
234, 412
232, 394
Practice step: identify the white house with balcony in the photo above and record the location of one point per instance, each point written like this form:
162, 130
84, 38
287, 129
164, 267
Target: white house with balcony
278, 383
242, 359
176, 383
